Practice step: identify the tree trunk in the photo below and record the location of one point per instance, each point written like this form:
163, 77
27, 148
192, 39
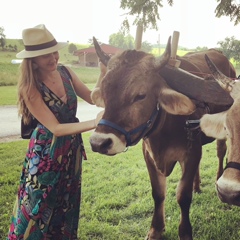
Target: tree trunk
138, 39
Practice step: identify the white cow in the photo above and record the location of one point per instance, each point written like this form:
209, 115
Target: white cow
226, 125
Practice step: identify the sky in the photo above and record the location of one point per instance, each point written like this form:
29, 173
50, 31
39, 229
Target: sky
77, 21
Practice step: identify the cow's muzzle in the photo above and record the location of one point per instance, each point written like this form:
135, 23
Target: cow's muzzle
228, 188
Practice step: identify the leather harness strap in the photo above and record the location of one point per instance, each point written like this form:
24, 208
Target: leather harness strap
234, 165
143, 130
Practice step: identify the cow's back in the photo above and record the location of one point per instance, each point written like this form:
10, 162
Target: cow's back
195, 63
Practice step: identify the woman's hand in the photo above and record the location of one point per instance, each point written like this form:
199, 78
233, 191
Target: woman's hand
99, 117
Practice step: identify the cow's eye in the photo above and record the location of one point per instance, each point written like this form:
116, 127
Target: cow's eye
139, 97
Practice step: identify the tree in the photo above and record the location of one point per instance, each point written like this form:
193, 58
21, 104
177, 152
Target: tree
236, 53
121, 41
11, 48
146, 46
129, 42
230, 48
2, 38
72, 47
228, 8
201, 48
146, 12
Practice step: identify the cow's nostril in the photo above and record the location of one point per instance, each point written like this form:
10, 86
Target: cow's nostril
105, 145
101, 146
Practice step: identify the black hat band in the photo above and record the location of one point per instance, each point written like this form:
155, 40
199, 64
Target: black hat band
40, 46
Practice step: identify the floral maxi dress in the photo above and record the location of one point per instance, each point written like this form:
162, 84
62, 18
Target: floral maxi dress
49, 194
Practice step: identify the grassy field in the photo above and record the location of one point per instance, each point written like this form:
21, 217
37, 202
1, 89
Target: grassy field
9, 72
116, 197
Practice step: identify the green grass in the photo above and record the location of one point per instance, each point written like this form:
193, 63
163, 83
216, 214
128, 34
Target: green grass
87, 74
9, 74
116, 196
8, 95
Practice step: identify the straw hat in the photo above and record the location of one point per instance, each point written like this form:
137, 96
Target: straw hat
38, 41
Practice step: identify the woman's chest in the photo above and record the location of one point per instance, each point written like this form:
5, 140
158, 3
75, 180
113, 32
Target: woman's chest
57, 88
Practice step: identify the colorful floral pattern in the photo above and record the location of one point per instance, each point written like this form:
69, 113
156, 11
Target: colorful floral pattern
48, 200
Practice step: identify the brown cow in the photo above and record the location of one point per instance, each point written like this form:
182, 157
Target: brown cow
139, 104
195, 63
226, 125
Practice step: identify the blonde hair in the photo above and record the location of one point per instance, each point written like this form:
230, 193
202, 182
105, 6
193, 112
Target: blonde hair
28, 80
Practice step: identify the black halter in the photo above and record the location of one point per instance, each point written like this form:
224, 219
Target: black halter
143, 128
234, 165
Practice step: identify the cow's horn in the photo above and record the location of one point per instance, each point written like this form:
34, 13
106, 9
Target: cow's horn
195, 87
165, 57
104, 58
225, 82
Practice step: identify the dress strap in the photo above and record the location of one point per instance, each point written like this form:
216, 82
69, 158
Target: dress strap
65, 72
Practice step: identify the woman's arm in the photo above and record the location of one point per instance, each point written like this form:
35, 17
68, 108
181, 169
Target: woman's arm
80, 88
42, 113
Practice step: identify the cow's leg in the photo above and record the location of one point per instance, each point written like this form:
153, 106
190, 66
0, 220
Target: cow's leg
197, 181
158, 182
184, 192
221, 152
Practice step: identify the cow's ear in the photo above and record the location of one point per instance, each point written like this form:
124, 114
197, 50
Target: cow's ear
175, 103
213, 125
97, 98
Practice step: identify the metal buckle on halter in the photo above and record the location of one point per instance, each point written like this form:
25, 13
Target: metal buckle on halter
192, 124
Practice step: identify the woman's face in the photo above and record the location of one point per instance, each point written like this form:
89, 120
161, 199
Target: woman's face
47, 62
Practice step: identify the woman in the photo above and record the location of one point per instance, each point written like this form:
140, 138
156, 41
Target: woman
48, 200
